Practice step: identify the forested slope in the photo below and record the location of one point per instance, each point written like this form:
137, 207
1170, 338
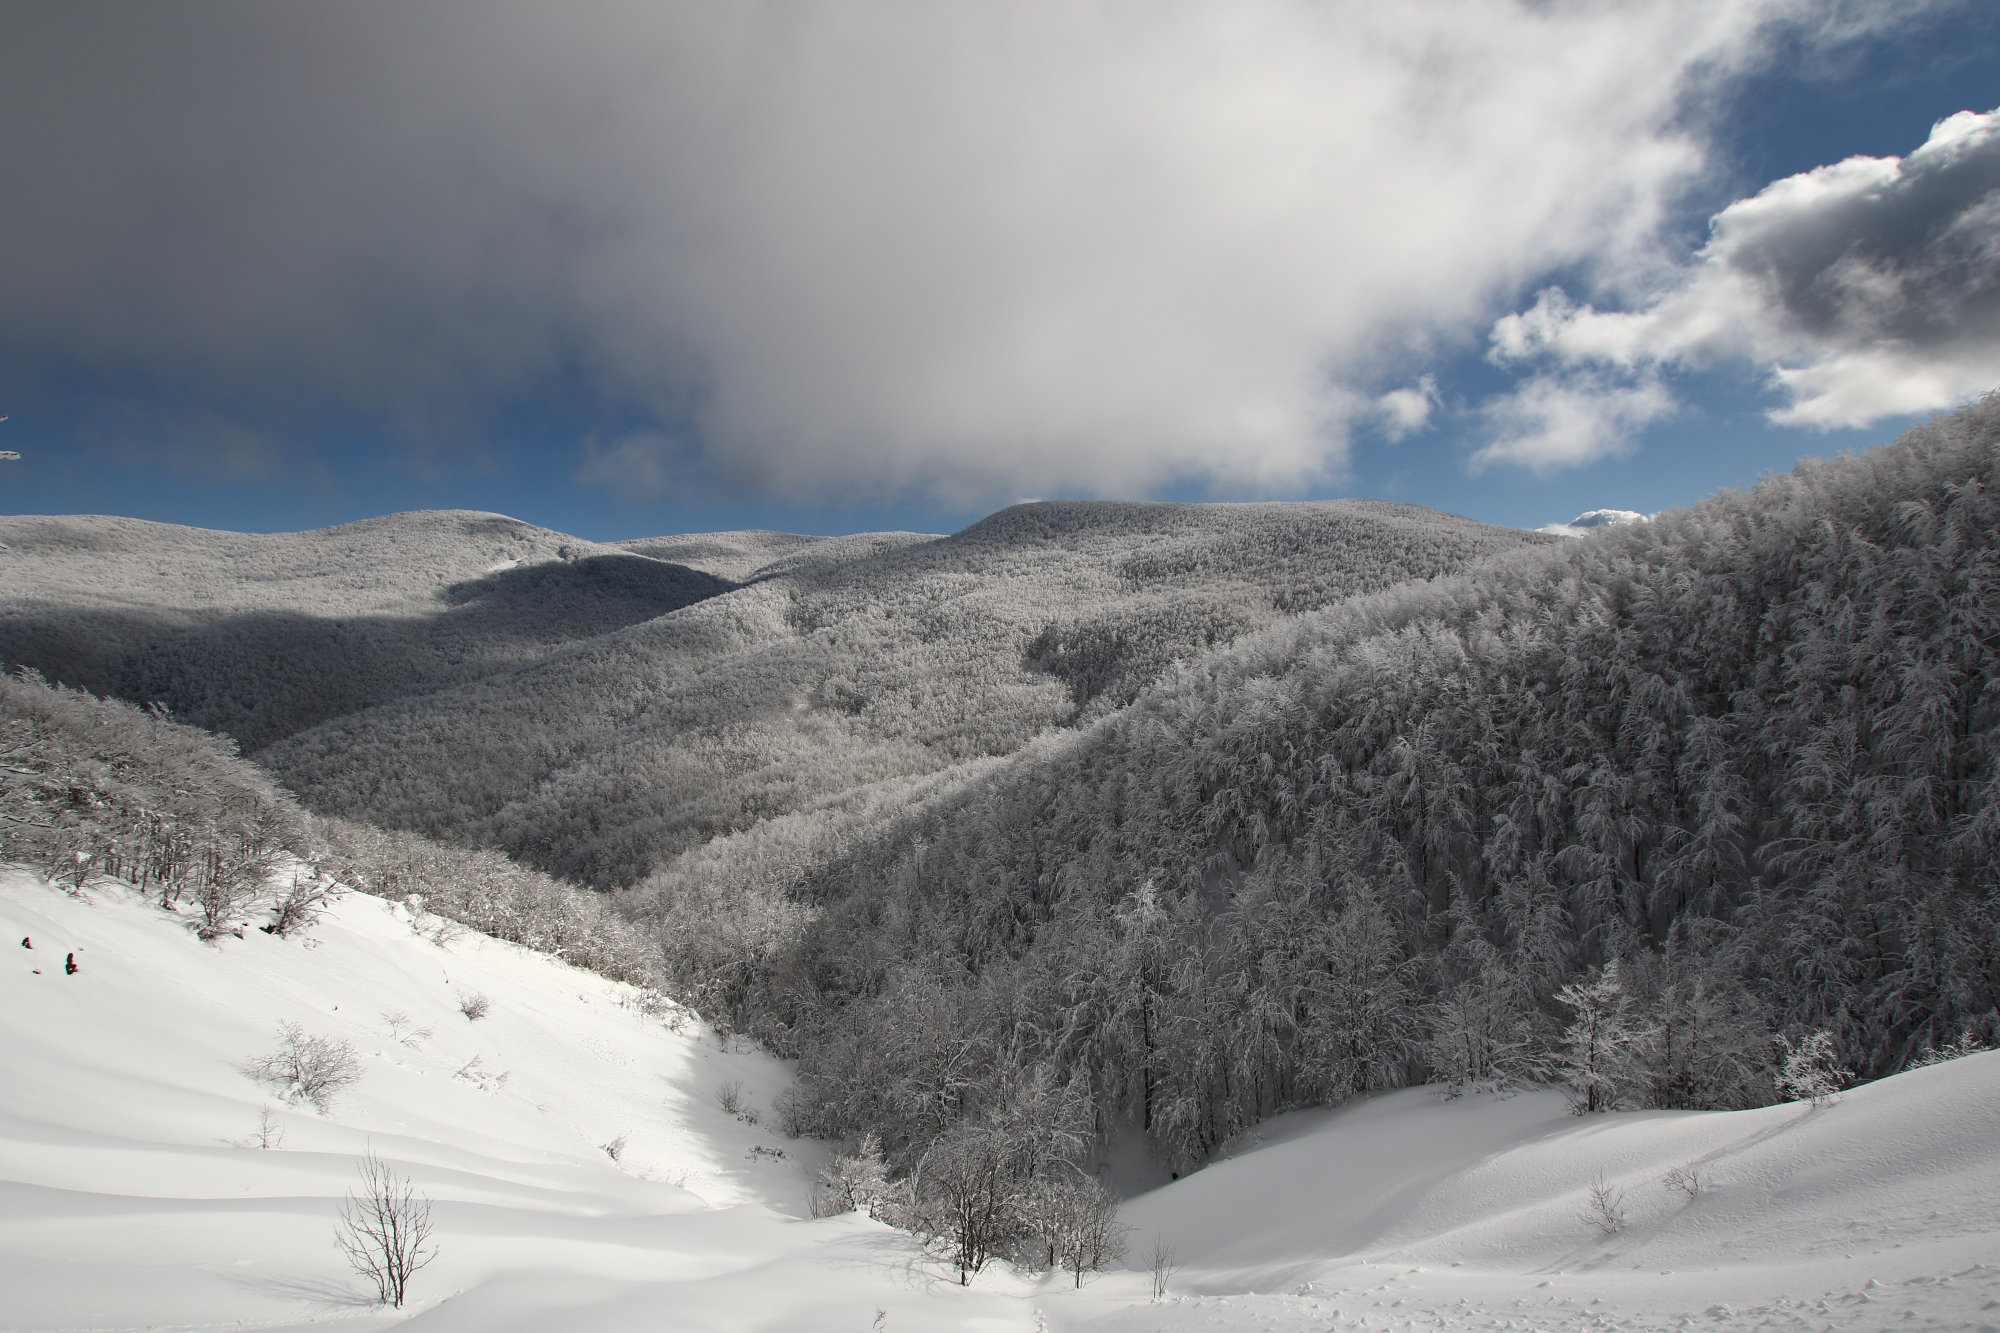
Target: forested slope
851, 661
261, 635
1624, 811
94, 789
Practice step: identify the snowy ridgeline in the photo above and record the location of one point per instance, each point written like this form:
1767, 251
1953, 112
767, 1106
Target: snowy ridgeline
137, 1191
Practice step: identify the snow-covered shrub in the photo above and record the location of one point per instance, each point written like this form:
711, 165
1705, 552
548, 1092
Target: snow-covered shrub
1965, 1044
298, 907
474, 1005
852, 1183
306, 1067
1810, 1071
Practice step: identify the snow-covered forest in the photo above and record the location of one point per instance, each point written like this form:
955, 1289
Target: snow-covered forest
1632, 812
1095, 827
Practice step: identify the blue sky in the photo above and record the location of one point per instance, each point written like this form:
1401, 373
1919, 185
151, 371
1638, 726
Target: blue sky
896, 266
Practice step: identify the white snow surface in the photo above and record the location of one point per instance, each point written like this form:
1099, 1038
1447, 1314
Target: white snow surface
132, 1195
129, 1200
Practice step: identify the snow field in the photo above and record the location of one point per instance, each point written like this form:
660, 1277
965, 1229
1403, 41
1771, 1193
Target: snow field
1406, 1212
133, 1195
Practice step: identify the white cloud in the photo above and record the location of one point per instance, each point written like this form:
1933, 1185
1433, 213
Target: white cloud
1869, 288
883, 245
1551, 423
1406, 411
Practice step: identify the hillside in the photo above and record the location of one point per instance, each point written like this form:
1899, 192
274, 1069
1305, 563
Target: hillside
849, 662
259, 636
137, 1195
1403, 1211
1717, 781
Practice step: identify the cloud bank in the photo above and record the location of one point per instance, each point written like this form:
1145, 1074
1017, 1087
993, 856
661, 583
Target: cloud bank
1867, 289
933, 247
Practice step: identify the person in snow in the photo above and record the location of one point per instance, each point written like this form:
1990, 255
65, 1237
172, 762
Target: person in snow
69, 966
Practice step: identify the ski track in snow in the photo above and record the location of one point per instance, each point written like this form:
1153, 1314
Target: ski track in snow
132, 1195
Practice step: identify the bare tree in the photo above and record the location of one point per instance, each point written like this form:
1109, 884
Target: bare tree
1165, 1263
385, 1230
270, 1133
1606, 1210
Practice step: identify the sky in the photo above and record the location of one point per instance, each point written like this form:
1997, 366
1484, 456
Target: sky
631, 267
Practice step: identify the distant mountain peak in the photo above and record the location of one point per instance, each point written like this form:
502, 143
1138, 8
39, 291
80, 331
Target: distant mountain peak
1591, 520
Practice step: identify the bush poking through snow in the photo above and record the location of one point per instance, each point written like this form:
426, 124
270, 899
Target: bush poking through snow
730, 1098
614, 1148
1810, 1071
1689, 1180
1606, 1210
471, 1072
404, 1028
306, 1068
1967, 1044
270, 1134
473, 1005
1164, 1262
385, 1229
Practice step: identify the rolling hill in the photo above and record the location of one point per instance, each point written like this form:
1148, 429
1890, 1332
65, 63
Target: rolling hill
848, 662
260, 636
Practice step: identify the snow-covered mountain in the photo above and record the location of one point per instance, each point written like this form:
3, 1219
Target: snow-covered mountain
260, 635
1592, 520
846, 663
137, 1195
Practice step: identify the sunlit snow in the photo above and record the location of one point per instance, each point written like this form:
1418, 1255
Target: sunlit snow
135, 1195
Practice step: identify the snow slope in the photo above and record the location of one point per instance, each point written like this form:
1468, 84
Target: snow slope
1879, 1210
132, 1195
